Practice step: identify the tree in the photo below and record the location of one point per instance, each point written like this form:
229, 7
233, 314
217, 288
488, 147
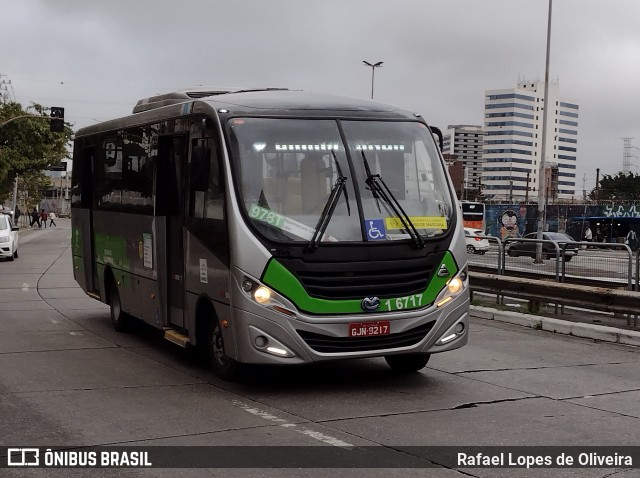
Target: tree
27, 147
622, 187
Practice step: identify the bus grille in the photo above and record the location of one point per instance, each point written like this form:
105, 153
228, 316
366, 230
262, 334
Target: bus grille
328, 344
355, 280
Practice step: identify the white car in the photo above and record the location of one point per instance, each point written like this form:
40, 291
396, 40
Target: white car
8, 238
475, 242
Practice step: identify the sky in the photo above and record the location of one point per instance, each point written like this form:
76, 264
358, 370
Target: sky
97, 58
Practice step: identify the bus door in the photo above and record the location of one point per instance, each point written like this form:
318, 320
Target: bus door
170, 196
87, 204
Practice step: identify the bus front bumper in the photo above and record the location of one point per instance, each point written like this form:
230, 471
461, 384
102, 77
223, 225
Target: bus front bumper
276, 339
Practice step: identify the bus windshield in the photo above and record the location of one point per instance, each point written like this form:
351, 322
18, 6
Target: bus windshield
286, 170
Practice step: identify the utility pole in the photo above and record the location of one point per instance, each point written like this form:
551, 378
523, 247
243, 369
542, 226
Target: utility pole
526, 193
15, 197
597, 183
541, 172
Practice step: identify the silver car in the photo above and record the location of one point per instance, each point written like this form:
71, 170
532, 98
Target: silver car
8, 238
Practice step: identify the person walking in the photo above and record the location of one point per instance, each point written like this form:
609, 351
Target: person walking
632, 240
35, 218
43, 218
588, 235
52, 218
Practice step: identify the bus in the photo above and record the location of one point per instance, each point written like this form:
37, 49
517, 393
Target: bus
473, 215
270, 226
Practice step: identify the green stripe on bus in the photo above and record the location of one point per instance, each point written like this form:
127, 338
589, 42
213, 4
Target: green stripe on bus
112, 250
284, 282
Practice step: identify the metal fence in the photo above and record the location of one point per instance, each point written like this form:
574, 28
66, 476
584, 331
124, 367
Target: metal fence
598, 264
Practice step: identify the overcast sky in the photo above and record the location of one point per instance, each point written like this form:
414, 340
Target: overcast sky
97, 58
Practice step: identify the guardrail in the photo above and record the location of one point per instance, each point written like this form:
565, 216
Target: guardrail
578, 262
538, 291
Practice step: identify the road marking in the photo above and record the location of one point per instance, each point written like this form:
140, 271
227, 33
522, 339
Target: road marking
329, 440
258, 413
325, 438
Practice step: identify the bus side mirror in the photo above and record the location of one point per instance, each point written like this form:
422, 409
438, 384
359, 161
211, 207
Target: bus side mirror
435, 130
200, 168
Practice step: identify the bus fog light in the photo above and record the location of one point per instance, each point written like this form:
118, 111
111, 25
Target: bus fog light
247, 285
262, 295
261, 341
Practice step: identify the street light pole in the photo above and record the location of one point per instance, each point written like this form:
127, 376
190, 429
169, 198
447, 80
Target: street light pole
541, 172
373, 72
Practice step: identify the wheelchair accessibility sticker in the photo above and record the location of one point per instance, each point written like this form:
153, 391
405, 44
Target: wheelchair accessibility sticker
375, 229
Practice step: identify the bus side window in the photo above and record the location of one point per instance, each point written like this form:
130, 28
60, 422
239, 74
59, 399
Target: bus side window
206, 198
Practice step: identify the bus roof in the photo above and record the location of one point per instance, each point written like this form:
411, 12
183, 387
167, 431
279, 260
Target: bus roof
260, 102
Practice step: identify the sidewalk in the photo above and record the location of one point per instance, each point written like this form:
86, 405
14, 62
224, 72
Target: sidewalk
581, 323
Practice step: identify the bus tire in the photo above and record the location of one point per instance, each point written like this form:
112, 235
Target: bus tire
223, 366
407, 363
119, 318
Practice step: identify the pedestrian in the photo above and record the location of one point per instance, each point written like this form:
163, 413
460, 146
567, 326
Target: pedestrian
52, 218
35, 218
43, 218
632, 240
588, 235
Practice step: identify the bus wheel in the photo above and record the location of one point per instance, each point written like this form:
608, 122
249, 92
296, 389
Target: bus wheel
407, 363
224, 367
119, 318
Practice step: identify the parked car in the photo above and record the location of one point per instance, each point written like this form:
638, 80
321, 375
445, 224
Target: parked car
475, 242
8, 238
516, 249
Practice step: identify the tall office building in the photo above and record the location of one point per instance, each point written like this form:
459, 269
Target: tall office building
464, 143
513, 143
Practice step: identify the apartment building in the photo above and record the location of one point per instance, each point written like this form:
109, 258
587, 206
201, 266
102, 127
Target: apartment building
512, 147
464, 143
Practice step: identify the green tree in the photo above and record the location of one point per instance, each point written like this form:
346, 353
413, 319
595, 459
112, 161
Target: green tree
622, 187
27, 147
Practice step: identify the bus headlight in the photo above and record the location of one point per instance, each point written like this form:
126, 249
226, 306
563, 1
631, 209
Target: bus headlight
267, 297
262, 295
455, 286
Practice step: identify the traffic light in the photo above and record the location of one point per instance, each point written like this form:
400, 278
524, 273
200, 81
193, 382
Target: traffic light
56, 123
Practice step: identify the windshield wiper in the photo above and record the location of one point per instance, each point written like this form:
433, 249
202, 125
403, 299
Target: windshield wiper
379, 189
338, 187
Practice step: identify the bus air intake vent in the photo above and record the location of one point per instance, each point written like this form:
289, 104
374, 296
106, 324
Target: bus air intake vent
327, 344
355, 280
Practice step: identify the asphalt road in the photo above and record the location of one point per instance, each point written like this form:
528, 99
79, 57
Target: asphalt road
68, 379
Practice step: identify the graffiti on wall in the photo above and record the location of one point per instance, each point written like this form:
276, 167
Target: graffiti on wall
621, 211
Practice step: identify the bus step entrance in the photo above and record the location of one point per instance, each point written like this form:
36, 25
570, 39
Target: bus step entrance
176, 337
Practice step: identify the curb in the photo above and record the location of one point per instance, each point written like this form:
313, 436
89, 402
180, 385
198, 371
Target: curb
558, 326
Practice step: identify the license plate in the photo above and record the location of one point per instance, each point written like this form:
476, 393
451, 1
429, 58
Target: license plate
369, 329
